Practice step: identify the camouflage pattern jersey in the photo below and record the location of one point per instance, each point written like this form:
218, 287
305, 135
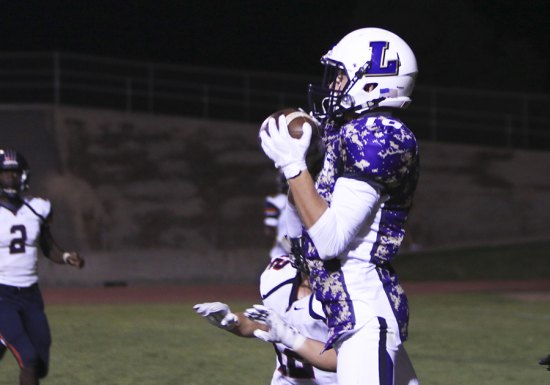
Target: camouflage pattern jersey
360, 283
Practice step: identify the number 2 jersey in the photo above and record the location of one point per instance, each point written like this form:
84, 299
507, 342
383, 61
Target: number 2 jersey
278, 287
19, 242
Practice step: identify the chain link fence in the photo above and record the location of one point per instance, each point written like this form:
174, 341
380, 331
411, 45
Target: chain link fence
511, 120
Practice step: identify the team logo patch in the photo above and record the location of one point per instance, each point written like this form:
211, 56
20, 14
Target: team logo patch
378, 66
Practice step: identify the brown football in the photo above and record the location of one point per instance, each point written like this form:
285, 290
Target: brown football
295, 119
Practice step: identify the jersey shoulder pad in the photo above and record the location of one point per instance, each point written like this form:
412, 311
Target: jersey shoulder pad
378, 148
40, 206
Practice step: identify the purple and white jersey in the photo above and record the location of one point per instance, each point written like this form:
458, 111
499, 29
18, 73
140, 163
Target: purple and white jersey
19, 238
278, 287
360, 283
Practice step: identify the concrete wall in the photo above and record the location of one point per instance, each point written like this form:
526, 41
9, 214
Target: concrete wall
156, 198
471, 195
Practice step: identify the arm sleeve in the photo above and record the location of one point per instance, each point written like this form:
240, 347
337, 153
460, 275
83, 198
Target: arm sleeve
352, 203
293, 222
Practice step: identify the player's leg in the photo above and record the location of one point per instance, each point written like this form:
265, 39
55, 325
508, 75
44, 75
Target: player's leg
2, 350
404, 370
27, 376
37, 327
13, 335
367, 356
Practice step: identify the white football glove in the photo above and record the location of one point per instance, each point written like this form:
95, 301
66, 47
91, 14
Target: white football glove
218, 314
279, 330
288, 153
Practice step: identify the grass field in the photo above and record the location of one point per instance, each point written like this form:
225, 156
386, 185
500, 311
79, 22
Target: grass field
502, 262
454, 339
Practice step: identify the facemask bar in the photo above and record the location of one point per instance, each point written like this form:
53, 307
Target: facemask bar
14, 161
329, 104
22, 185
324, 100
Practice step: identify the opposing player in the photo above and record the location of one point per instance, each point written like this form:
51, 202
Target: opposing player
301, 358
354, 213
24, 229
286, 291
275, 218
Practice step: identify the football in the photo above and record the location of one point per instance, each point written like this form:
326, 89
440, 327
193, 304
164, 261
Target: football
295, 119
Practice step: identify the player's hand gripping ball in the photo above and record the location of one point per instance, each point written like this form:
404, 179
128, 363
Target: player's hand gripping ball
295, 120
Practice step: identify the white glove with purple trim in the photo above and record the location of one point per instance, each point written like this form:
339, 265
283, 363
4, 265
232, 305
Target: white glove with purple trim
279, 330
288, 153
218, 314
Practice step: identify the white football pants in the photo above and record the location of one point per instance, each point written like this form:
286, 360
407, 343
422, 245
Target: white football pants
373, 356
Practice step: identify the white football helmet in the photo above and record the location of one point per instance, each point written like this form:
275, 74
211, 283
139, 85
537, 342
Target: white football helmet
381, 70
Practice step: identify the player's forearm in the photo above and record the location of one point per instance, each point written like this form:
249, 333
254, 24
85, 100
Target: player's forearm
246, 327
307, 200
56, 255
313, 351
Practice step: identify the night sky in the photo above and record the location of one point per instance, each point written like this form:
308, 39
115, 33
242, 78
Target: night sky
484, 44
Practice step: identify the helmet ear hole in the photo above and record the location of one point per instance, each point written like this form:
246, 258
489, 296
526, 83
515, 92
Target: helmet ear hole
369, 87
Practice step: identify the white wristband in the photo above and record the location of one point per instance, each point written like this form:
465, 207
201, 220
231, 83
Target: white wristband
294, 169
298, 342
66, 256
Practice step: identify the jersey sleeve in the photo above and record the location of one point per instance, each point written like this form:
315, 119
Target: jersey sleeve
41, 207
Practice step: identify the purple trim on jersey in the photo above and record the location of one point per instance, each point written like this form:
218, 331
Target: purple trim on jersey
329, 286
312, 312
396, 297
385, 364
284, 283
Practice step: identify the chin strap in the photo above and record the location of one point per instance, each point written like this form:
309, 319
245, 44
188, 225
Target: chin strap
11, 202
339, 115
368, 105
297, 257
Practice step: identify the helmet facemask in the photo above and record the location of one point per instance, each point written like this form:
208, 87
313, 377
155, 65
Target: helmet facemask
325, 99
13, 161
13, 189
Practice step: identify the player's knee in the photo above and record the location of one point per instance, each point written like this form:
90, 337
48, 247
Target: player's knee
32, 360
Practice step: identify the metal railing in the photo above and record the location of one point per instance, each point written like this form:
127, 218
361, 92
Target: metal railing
438, 114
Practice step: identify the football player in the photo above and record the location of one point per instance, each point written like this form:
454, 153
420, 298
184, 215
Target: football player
24, 229
286, 292
301, 358
354, 212
275, 218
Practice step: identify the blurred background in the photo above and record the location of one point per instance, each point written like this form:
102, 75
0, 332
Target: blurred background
140, 120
